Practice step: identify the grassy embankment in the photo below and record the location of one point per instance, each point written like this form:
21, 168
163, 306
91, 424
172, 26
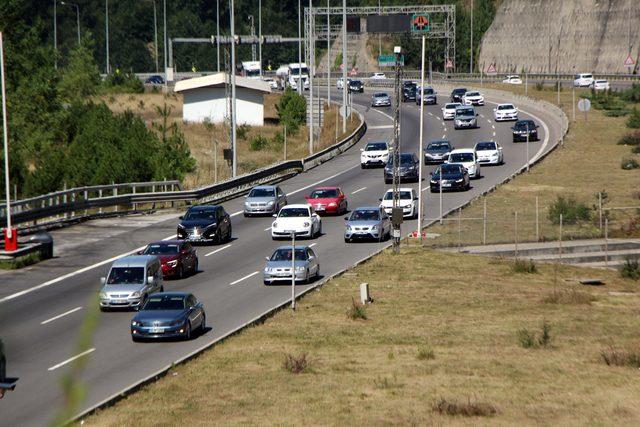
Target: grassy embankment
201, 140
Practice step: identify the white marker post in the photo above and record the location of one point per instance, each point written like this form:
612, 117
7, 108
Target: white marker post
421, 153
10, 240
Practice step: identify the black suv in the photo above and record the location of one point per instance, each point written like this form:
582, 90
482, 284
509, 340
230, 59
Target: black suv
356, 86
408, 168
408, 93
457, 94
522, 128
205, 224
454, 177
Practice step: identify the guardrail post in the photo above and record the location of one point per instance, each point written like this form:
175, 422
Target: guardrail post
73, 201
86, 197
135, 205
100, 197
115, 193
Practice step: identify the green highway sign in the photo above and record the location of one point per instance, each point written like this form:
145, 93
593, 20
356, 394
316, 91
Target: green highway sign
389, 60
420, 23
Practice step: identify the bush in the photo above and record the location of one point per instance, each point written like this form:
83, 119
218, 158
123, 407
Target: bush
122, 83
632, 138
634, 119
616, 113
571, 296
528, 339
630, 269
295, 364
571, 210
277, 140
468, 409
523, 266
629, 163
241, 132
356, 311
632, 94
607, 101
258, 142
539, 86
292, 109
425, 353
613, 356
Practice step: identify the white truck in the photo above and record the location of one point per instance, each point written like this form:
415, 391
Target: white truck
251, 69
288, 75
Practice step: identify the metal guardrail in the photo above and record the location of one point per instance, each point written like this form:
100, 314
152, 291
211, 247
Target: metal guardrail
78, 199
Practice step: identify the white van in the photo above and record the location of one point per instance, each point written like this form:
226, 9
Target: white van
583, 80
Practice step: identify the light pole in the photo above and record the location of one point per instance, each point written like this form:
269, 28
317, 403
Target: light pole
155, 32
106, 31
396, 152
233, 93
164, 39
77, 16
260, 35
55, 33
9, 238
329, 58
218, 32
253, 33
300, 85
311, 71
420, 152
471, 42
344, 65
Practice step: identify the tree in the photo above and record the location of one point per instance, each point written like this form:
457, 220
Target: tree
292, 109
80, 77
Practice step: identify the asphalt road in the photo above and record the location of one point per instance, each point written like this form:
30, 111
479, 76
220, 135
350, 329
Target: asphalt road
41, 309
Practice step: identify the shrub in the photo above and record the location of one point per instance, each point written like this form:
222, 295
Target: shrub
539, 86
425, 353
616, 113
629, 163
634, 119
278, 139
571, 210
545, 335
613, 356
292, 109
356, 311
387, 383
119, 82
571, 296
526, 338
296, 364
636, 149
632, 94
258, 142
632, 138
523, 266
469, 409
241, 132
630, 269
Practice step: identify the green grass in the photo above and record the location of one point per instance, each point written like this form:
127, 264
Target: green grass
20, 262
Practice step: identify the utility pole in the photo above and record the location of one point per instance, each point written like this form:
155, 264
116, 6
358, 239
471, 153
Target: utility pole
55, 33
260, 35
164, 37
155, 32
300, 84
9, 238
329, 58
471, 43
106, 23
344, 65
420, 151
217, 32
396, 151
77, 16
311, 70
233, 94
253, 34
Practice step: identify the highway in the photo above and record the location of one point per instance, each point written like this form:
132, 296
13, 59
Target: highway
41, 309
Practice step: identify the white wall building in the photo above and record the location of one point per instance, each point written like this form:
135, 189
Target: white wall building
206, 98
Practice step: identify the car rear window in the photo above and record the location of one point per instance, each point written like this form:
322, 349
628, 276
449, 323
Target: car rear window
465, 112
473, 94
376, 146
323, 194
460, 157
452, 106
285, 255
200, 214
404, 195
448, 169
262, 192
438, 145
506, 107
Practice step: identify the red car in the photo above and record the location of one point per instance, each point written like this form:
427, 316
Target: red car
177, 257
330, 200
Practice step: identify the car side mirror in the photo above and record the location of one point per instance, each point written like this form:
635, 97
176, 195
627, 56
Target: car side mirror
275, 215
380, 199
103, 280
362, 149
267, 258
150, 280
346, 218
140, 252
181, 217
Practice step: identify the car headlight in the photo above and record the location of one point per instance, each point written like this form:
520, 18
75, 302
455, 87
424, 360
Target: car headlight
333, 204
434, 181
172, 263
180, 226
374, 228
270, 203
135, 295
103, 295
348, 228
300, 268
494, 155
247, 204
268, 269
134, 323
274, 225
306, 224
459, 180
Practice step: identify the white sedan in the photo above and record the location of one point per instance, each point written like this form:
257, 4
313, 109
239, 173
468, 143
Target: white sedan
407, 200
473, 98
489, 152
600, 85
468, 158
505, 112
513, 80
340, 83
378, 76
374, 154
449, 110
300, 219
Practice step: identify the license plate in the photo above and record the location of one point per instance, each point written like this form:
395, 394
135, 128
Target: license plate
156, 330
446, 185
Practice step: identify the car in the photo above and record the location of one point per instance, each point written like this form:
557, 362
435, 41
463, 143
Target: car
340, 83
408, 168
378, 76
356, 86
329, 200
524, 130
264, 200
278, 266
465, 117
367, 223
489, 152
408, 93
169, 315
583, 80
600, 85
430, 97
130, 281
457, 94
473, 98
407, 200
375, 153
380, 99
177, 257
449, 110
505, 112
454, 177
437, 152
205, 224
155, 80
468, 158
408, 83
512, 80
300, 219
272, 83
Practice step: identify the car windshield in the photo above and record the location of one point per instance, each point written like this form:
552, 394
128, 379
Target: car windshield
465, 112
404, 195
200, 214
297, 70
459, 91
439, 145
126, 276
406, 159
365, 215
601, 81
523, 125
262, 192
587, 76
165, 302
480, 146
285, 255
448, 169
376, 146
356, 82
294, 213
452, 106
473, 94
379, 95
505, 107
161, 249
461, 157
428, 91
324, 194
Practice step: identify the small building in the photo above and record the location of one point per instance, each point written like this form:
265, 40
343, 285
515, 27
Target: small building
207, 98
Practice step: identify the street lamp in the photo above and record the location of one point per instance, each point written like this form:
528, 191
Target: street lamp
55, 33
106, 31
66, 3
253, 33
396, 212
10, 236
155, 33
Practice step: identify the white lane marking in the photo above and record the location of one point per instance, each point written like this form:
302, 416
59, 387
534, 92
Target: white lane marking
444, 136
488, 121
243, 278
313, 244
218, 250
384, 114
323, 180
267, 229
73, 310
493, 126
438, 118
430, 113
358, 190
71, 359
235, 213
380, 127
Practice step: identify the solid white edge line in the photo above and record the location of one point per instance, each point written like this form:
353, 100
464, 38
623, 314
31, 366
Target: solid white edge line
71, 359
358, 190
267, 229
73, 310
313, 244
323, 180
218, 250
243, 278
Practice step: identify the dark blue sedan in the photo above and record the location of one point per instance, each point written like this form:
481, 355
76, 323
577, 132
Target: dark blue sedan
156, 80
169, 315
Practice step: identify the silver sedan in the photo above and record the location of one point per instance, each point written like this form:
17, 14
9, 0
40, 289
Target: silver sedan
278, 267
367, 223
380, 99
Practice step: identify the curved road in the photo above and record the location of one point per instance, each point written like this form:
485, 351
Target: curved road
42, 307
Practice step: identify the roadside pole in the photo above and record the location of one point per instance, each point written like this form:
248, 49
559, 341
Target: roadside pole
420, 151
233, 93
285, 141
329, 58
573, 101
396, 212
311, 70
344, 65
440, 191
528, 132
293, 270
10, 237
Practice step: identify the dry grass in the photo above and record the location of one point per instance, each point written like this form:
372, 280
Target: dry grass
206, 142
367, 373
588, 163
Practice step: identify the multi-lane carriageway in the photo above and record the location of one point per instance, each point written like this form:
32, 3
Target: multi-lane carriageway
42, 307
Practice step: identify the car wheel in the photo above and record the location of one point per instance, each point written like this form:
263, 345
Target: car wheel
134, 338
195, 267
362, 166
142, 303
161, 288
246, 215
346, 240
266, 282
203, 325
187, 333
180, 272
